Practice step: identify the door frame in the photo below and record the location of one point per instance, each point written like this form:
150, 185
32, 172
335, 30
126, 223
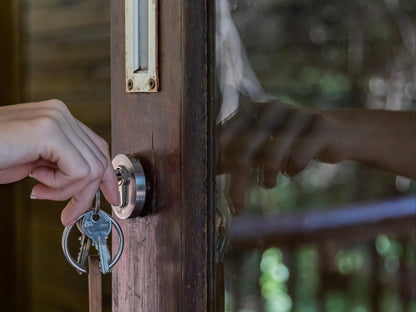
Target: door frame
13, 288
168, 261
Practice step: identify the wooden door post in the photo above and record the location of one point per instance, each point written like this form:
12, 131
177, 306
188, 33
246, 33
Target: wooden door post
167, 260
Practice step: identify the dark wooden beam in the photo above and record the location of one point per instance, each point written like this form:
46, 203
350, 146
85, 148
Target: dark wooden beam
9, 58
363, 221
9, 52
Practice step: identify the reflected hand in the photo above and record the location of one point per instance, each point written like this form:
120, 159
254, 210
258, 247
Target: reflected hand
67, 158
274, 137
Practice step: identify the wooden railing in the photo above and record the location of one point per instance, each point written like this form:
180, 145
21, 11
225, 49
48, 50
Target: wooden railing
396, 216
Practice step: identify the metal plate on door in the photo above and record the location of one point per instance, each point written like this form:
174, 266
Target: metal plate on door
131, 185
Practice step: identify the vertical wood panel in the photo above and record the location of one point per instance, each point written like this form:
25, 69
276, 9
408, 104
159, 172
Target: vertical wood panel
165, 263
8, 282
94, 284
150, 267
65, 55
9, 52
9, 67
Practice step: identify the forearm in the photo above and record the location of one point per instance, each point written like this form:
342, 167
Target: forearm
383, 139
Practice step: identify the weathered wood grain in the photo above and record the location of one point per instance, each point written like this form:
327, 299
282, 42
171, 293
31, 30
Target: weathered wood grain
94, 284
165, 263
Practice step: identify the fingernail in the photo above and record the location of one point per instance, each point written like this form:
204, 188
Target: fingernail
33, 196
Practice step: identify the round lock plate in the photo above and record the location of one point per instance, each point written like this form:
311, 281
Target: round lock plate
131, 186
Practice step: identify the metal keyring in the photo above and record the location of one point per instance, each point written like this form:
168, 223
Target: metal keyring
71, 260
97, 202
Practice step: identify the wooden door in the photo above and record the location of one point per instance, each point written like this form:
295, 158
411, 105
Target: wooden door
167, 260
9, 94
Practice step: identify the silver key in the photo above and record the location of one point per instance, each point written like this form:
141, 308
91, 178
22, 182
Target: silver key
73, 262
84, 250
85, 241
96, 224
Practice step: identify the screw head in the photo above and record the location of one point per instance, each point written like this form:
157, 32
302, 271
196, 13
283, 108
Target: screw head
152, 83
130, 84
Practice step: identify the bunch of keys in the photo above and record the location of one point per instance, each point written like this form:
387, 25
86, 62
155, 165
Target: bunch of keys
95, 226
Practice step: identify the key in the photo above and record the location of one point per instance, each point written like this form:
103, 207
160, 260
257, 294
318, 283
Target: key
85, 242
97, 226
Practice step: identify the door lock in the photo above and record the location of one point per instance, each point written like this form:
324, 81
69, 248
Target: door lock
132, 186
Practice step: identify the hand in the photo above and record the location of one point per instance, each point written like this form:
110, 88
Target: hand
274, 137
67, 158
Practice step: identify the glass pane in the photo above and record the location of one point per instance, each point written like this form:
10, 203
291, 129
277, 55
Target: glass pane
316, 146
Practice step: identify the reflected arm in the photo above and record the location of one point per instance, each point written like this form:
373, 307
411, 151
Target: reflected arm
379, 138
276, 137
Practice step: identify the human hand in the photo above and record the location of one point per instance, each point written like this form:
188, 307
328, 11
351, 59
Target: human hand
274, 137
68, 159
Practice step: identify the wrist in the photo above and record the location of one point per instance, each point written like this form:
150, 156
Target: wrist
341, 141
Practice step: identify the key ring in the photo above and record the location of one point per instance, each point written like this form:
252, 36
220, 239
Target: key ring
71, 260
97, 202
96, 208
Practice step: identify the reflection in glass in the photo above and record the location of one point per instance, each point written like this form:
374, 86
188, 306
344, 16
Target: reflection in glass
328, 234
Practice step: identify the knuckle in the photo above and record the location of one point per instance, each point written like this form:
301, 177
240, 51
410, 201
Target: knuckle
101, 169
58, 108
83, 172
62, 194
103, 144
320, 123
58, 105
102, 162
106, 164
47, 123
96, 171
104, 149
295, 166
302, 116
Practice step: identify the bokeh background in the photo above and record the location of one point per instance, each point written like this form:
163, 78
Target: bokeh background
50, 49
307, 255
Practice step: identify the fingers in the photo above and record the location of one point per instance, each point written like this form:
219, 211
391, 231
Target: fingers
302, 155
109, 186
278, 138
286, 140
42, 191
14, 174
82, 164
247, 133
108, 180
237, 184
79, 203
267, 178
308, 145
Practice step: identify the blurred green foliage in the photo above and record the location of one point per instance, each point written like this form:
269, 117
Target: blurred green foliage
273, 281
349, 261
